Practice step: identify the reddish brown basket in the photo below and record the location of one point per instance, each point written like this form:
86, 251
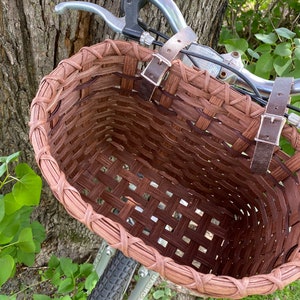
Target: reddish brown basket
167, 181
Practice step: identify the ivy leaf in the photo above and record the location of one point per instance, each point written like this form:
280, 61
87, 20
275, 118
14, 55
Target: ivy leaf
66, 286
7, 264
284, 32
283, 49
27, 190
25, 240
282, 65
270, 38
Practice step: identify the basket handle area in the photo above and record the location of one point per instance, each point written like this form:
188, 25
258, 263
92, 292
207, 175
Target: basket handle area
272, 122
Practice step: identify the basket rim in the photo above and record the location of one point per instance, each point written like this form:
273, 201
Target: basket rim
114, 233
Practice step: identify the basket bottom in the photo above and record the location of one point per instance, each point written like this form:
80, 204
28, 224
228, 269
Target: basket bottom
177, 221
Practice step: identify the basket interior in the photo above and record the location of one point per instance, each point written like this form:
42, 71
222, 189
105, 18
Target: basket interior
181, 190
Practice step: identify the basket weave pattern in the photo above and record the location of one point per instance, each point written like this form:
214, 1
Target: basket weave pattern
167, 180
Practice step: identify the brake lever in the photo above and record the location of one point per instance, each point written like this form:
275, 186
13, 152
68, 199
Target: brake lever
128, 24
113, 22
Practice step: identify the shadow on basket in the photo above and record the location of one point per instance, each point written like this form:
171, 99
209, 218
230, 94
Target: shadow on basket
167, 180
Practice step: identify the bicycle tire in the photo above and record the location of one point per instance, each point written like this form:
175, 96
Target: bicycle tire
115, 279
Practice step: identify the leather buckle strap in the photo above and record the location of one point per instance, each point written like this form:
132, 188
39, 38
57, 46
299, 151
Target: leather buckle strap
162, 61
271, 125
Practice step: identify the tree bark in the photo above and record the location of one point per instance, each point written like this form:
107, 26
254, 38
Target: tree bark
33, 39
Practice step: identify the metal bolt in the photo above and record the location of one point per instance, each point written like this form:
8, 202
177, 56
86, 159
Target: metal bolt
109, 251
143, 272
223, 75
235, 54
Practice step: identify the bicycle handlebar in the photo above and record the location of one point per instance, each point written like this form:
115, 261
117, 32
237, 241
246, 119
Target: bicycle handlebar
177, 22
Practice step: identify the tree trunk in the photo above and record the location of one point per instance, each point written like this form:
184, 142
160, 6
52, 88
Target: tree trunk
33, 39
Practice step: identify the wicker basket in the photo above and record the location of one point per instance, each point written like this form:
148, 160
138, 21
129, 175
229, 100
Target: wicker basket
167, 180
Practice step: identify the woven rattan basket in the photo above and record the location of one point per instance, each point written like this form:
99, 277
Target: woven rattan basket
167, 180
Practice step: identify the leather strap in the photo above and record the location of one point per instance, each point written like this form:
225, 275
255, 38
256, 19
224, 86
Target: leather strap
271, 125
162, 61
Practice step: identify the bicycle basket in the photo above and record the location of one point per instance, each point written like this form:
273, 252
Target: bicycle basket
167, 180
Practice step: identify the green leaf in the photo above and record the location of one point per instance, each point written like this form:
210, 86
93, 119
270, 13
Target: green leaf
53, 262
297, 41
283, 49
253, 53
270, 38
286, 146
25, 240
282, 65
86, 269
10, 158
296, 72
27, 190
68, 267
38, 231
5, 239
264, 48
10, 225
11, 205
67, 297
2, 207
7, 264
158, 294
284, 32
297, 52
3, 169
26, 258
80, 295
264, 65
41, 297
4, 297
55, 279
91, 281
66, 286
240, 45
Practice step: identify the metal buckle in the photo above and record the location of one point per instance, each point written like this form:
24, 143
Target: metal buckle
160, 64
275, 125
